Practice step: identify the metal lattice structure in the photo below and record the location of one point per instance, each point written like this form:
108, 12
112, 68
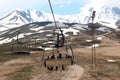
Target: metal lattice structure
93, 49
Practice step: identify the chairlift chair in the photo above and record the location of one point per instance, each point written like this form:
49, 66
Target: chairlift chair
20, 47
67, 56
50, 57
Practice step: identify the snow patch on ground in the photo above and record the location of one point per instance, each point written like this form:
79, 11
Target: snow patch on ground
99, 38
36, 29
74, 31
94, 45
5, 41
88, 40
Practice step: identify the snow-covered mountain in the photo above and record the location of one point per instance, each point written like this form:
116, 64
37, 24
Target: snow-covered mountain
17, 17
32, 23
107, 13
44, 30
21, 17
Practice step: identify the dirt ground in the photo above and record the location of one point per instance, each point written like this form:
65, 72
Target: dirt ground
81, 70
72, 72
12, 66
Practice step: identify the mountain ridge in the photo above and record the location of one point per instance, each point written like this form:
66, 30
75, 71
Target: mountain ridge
107, 11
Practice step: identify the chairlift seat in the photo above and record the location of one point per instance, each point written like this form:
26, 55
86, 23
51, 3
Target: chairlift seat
58, 62
21, 52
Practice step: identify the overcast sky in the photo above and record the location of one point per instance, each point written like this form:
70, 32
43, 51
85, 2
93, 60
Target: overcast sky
59, 6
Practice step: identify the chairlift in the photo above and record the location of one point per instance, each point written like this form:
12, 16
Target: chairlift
61, 54
52, 58
19, 46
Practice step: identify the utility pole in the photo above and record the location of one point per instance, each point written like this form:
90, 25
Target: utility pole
93, 42
93, 50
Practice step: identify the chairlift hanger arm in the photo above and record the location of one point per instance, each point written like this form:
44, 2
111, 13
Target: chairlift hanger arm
52, 13
18, 37
60, 42
54, 16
